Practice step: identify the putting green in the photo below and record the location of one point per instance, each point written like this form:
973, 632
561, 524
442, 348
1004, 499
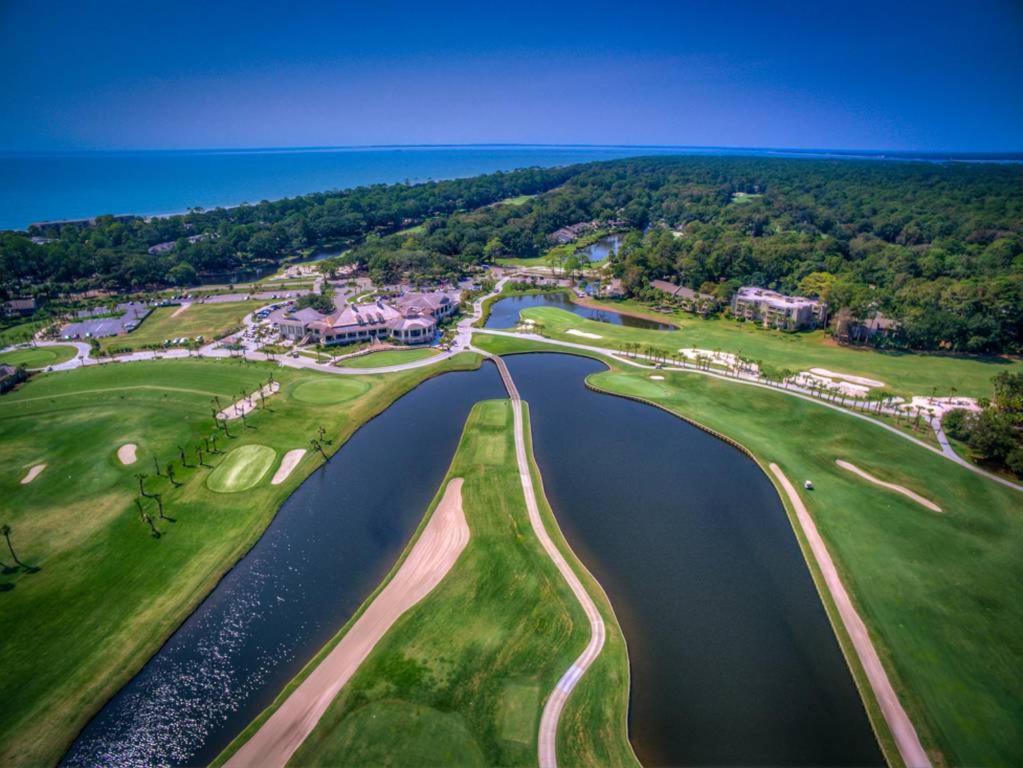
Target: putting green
329, 391
242, 469
631, 385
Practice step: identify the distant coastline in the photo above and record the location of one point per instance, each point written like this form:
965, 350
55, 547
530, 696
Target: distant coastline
77, 184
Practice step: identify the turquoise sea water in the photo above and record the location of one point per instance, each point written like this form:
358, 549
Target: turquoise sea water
68, 185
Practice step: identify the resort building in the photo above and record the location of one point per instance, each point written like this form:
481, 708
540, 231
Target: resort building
408, 319
687, 298
776, 310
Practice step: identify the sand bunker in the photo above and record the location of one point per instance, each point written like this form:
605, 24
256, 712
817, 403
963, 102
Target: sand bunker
180, 309
806, 379
33, 473
445, 536
288, 463
126, 453
847, 377
890, 486
584, 334
657, 378
246, 406
726, 359
941, 405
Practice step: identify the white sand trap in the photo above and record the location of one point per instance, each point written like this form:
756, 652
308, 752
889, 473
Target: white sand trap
873, 383
890, 486
180, 309
657, 378
445, 536
244, 406
845, 387
584, 334
32, 474
288, 463
941, 405
726, 359
126, 453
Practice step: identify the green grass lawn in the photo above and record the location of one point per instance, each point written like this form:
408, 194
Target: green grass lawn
16, 334
206, 320
108, 594
904, 373
461, 678
516, 201
39, 357
941, 593
388, 357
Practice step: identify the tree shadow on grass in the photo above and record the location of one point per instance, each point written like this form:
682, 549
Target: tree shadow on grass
6, 587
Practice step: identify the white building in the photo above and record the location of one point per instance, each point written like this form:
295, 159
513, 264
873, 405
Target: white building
776, 310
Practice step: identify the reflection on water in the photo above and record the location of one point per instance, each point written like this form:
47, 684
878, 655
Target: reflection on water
328, 547
505, 313
733, 659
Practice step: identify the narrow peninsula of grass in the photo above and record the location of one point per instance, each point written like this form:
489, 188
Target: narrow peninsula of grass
940, 593
68, 645
462, 677
39, 357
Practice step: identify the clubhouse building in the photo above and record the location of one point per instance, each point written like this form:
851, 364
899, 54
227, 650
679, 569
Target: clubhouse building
408, 319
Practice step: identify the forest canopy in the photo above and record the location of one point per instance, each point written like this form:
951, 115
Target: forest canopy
938, 247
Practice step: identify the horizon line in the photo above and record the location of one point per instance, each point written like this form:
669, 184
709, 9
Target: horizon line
523, 145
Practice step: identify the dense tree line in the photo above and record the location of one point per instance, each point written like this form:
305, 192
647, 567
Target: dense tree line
936, 247
113, 253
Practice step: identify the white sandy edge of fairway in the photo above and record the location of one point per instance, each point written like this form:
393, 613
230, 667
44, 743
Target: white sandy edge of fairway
890, 486
33, 473
436, 550
243, 406
901, 727
656, 378
126, 453
288, 463
180, 309
847, 377
584, 334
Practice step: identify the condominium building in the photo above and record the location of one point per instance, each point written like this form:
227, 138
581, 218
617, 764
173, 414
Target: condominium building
776, 310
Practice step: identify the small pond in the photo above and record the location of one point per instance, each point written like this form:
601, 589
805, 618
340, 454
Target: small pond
505, 313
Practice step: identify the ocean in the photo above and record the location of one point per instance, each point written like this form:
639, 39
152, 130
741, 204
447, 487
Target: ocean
37, 186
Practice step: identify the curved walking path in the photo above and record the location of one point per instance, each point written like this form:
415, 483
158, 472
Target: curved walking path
901, 727
436, 550
753, 381
547, 741
890, 486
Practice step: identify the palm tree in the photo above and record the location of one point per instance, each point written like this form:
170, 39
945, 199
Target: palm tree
170, 475
141, 476
156, 464
6, 531
317, 446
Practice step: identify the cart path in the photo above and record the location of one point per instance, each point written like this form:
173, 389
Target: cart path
434, 553
901, 727
547, 741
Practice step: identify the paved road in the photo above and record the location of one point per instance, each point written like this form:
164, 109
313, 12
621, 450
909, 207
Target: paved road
751, 380
547, 742
906, 739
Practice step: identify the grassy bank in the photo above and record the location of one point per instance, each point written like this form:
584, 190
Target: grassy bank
206, 320
388, 357
39, 357
940, 593
107, 594
904, 373
461, 678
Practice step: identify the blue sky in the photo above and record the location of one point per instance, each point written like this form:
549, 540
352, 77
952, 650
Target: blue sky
912, 76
